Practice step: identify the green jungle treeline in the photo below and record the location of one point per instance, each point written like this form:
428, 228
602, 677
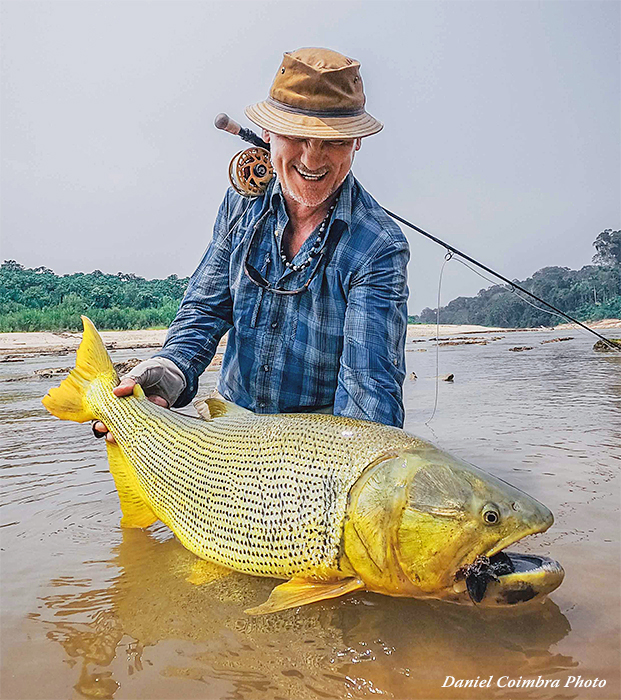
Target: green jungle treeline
39, 300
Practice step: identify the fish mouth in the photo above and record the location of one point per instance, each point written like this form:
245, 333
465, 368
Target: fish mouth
508, 578
533, 576
500, 577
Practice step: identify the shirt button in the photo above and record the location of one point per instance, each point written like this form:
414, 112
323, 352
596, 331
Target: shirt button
266, 368
262, 404
274, 324
395, 363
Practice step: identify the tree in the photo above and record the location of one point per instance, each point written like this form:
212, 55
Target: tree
608, 246
12, 265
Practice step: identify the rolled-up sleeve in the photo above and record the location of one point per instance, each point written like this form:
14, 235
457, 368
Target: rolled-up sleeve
205, 313
372, 367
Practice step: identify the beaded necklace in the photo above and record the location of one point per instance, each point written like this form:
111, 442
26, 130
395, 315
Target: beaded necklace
316, 245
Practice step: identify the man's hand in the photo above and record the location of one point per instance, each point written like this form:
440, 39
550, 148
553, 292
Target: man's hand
156, 376
125, 388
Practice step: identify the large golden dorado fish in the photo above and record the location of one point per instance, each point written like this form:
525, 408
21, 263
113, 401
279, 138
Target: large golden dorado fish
331, 504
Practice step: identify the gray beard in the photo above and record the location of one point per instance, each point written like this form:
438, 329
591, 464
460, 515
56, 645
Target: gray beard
311, 203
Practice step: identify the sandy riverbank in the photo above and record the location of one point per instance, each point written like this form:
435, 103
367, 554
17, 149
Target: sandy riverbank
19, 344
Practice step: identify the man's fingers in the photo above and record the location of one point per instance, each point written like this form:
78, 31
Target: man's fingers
125, 388
100, 430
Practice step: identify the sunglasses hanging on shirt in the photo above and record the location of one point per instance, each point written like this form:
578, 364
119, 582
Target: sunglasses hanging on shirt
255, 276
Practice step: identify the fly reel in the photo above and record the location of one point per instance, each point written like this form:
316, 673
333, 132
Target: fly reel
250, 171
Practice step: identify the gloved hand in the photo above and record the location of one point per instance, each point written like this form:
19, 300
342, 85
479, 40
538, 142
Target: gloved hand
161, 380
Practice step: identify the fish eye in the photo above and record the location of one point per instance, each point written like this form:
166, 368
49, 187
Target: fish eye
491, 514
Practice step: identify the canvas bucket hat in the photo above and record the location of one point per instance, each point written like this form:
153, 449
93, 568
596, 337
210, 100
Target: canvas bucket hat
317, 93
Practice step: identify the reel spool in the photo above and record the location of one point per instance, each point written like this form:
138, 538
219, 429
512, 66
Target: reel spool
250, 171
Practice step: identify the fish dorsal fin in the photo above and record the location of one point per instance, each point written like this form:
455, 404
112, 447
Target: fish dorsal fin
298, 592
216, 408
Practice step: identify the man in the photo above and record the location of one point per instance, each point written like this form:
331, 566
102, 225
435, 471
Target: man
309, 279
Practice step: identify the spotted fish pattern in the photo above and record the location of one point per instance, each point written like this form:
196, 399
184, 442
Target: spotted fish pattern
262, 494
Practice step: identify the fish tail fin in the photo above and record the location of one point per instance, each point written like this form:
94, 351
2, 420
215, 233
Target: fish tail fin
68, 401
136, 511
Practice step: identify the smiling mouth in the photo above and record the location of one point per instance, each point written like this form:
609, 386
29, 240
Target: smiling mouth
311, 177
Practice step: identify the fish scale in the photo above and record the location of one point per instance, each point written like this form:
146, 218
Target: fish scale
265, 495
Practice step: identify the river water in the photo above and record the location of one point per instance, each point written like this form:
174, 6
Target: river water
89, 610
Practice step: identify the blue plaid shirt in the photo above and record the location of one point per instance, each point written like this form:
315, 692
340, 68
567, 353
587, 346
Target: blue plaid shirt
341, 342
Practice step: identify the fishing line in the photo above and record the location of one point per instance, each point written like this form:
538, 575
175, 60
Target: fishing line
447, 257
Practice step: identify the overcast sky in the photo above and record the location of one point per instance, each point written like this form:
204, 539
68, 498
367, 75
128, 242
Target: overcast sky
502, 126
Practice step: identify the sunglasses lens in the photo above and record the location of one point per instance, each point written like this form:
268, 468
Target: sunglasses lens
256, 276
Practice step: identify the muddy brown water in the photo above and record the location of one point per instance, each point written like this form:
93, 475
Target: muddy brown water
89, 610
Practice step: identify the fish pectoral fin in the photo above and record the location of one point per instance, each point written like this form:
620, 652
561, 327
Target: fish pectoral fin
298, 592
202, 409
216, 407
136, 512
206, 572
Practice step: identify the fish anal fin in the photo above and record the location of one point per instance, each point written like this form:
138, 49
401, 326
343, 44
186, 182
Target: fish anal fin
138, 392
136, 512
298, 592
204, 572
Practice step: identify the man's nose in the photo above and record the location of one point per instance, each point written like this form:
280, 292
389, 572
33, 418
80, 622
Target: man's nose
313, 154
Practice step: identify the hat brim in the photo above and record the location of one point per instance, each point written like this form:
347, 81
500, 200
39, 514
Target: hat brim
285, 123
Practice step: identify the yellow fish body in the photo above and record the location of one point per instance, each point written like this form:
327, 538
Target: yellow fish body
329, 503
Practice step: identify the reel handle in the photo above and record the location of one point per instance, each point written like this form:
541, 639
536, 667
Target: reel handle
224, 122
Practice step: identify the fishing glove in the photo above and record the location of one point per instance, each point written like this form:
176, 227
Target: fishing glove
159, 376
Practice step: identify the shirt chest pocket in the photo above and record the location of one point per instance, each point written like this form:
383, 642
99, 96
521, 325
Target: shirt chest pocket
250, 301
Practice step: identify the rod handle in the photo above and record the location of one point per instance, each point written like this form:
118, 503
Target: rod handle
224, 122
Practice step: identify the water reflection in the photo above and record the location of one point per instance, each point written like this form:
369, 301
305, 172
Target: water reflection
354, 647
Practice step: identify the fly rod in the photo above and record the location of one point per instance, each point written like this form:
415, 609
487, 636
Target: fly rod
514, 285
239, 174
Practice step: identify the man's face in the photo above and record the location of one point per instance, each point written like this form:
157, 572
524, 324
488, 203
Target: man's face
310, 170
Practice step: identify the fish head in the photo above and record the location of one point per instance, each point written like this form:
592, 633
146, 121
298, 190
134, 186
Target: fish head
430, 524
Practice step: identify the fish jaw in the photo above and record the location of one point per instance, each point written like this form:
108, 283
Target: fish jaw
532, 578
